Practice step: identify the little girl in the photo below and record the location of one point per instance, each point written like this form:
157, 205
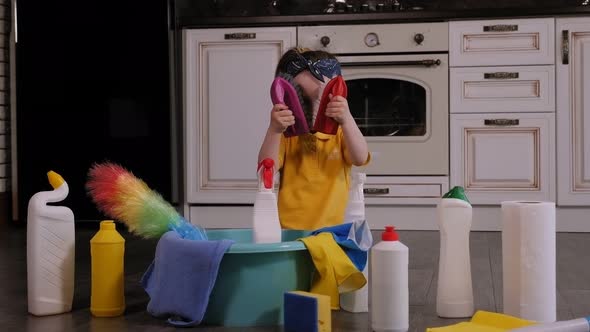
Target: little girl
314, 167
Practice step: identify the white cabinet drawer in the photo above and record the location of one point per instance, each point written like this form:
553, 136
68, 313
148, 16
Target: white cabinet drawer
502, 89
502, 42
405, 190
500, 157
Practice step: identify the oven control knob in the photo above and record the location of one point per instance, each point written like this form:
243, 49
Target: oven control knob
325, 40
419, 38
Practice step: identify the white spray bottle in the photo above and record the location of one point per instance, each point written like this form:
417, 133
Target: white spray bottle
266, 226
50, 251
454, 298
356, 301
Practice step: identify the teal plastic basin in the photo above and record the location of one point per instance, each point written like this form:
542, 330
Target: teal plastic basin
252, 278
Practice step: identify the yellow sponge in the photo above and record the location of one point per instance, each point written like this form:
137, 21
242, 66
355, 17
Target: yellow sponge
307, 312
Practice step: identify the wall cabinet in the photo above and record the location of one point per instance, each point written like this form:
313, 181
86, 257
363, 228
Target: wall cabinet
573, 110
227, 106
499, 157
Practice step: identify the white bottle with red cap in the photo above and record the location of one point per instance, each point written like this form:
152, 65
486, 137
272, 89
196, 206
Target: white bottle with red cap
266, 227
388, 286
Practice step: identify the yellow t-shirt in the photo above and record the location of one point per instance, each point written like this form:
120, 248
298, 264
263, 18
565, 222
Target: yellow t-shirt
314, 180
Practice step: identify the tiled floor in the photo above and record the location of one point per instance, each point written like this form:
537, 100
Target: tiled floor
573, 280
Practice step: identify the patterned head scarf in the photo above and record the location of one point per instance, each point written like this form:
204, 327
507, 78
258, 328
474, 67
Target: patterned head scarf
318, 68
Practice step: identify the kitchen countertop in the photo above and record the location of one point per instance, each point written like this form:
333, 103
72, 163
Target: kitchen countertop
191, 14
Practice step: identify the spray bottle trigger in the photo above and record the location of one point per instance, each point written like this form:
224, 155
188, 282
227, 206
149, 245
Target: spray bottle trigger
267, 166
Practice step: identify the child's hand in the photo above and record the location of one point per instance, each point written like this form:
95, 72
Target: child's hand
281, 117
338, 110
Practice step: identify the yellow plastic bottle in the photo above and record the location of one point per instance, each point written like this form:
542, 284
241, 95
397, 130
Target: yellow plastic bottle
107, 293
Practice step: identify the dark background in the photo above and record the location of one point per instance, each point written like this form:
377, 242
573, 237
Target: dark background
92, 81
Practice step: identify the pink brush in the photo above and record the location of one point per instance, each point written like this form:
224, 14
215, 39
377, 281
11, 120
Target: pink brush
283, 92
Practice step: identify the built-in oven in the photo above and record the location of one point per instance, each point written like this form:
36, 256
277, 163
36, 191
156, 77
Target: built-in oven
397, 78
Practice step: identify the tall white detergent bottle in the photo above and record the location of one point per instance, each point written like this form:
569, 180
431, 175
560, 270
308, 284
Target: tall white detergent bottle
454, 298
266, 226
356, 301
50, 251
389, 304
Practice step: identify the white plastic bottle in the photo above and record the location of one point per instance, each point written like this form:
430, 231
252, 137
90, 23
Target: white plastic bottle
572, 325
388, 286
266, 227
50, 251
356, 301
454, 298
355, 207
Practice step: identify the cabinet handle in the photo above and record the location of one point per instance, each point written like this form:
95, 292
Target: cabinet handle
376, 191
500, 28
500, 75
240, 35
565, 47
501, 122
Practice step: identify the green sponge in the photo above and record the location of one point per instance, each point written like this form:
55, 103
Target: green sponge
458, 193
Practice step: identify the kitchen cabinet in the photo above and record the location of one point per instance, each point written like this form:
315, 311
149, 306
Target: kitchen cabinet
573, 110
502, 89
499, 157
501, 42
227, 77
502, 105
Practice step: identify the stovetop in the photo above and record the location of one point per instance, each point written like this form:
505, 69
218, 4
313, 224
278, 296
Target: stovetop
262, 8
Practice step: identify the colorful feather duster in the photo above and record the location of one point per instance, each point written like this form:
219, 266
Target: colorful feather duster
126, 198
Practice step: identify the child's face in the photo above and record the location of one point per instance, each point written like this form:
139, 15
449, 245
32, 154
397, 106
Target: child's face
312, 88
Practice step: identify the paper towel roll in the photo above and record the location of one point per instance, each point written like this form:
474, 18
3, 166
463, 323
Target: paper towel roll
529, 260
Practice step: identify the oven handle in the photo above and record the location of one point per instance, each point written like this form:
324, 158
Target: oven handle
414, 63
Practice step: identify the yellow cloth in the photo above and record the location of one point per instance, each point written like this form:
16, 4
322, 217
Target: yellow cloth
335, 271
485, 321
314, 181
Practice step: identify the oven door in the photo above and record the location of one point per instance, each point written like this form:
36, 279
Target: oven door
400, 103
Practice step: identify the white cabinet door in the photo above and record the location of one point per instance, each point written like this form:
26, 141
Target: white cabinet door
227, 77
501, 157
573, 110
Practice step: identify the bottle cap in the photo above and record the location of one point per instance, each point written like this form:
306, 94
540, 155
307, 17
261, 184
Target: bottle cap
458, 193
390, 234
107, 225
55, 179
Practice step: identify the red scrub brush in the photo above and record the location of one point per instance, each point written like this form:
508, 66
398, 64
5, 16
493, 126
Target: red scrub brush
126, 198
324, 124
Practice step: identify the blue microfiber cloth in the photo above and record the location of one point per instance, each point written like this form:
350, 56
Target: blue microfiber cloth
181, 278
355, 239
